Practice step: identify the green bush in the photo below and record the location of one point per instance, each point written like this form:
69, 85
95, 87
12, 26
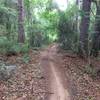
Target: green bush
7, 47
24, 48
26, 58
68, 35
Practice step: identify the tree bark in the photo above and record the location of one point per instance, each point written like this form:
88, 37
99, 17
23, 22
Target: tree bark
84, 26
77, 19
96, 39
21, 33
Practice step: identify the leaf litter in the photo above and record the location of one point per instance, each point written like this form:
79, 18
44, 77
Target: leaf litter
27, 83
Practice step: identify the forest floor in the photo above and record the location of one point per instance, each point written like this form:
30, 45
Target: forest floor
50, 74
28, 82
84, 82
69, 77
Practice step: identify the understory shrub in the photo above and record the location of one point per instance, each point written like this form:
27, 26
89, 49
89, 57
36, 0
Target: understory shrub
67, 29
11, 47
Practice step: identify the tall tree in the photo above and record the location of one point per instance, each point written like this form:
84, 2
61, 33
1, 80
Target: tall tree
96, 39
84, 26
21, 33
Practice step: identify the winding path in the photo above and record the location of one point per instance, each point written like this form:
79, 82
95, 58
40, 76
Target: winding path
57, 82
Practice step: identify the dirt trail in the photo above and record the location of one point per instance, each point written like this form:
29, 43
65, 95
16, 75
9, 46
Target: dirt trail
55, 76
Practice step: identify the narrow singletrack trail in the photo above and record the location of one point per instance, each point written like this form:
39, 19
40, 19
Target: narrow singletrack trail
57, 83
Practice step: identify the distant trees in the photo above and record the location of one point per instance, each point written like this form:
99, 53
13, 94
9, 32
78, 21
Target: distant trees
85, 36
72, 27
67, 25
21, 32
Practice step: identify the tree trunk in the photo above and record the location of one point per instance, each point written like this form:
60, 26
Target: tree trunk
21, 33
77, 3
96, 39
84, 26
77, 19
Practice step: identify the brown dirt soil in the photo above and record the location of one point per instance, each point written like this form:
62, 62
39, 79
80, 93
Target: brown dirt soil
51, 75
66, 76
57, 82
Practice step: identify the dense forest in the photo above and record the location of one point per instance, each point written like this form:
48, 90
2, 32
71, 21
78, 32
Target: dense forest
36, 36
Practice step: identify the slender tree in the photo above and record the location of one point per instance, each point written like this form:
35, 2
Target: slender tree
21, 33
84, 26
77, 20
